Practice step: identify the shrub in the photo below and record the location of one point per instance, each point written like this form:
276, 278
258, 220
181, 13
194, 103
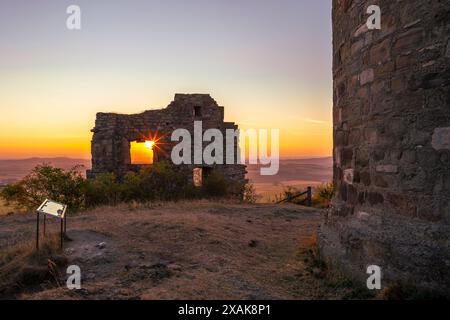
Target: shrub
250, 195
47, 182
323, 195
13, 193
103, 190
161, 181
215, 185
131, 188
289, 195
192, 192
290, 192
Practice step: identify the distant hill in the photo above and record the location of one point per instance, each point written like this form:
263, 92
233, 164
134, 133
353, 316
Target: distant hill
14, 170
298, 173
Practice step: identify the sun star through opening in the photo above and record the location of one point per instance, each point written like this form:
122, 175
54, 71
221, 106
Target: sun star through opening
150, 144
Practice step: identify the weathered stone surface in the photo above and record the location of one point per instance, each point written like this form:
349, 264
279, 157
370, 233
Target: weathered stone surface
447, 53
387, 168
441, 138
348, 176
409, 39
393, 142
380, 53
366, 76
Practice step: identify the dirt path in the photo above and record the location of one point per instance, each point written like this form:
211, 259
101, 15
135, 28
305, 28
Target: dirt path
189, 250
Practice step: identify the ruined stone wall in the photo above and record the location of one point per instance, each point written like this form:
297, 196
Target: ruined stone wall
391, 142
114, 132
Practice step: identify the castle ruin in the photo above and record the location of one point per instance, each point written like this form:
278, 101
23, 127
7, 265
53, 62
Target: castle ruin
113, 134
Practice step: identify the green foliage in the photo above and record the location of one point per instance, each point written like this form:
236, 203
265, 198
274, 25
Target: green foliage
103, 190
289, 193
192, 192
250, 195
326, 191
47, 182
215, 185
323, 195
163, 182
159, 182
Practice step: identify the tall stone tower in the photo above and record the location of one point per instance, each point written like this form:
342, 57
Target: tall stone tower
391, 142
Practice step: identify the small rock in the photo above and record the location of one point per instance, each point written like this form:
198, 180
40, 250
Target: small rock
158, 265
253, 243
69, 251
317, 272
132, 264
175, 267
82, 291
101, 245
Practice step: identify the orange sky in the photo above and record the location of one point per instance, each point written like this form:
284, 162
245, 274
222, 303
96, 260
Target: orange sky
39, 128
268, 64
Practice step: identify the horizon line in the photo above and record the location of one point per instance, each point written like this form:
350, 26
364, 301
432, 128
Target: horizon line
89, 159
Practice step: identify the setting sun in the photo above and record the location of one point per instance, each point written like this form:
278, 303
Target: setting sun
149, 144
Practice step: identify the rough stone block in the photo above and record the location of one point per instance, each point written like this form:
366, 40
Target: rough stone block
349, 176
375, 198
409, 39
387, 168
447, 52
441, 138
367, 76
381, 53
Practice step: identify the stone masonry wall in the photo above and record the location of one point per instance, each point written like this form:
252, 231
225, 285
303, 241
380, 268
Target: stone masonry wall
114, 132
391, 142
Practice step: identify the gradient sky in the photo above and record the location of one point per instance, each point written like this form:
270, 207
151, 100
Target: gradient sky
267, 61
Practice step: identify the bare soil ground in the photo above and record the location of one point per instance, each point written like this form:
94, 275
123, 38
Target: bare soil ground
185, 250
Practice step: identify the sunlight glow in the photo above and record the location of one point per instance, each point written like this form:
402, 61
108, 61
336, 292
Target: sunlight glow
149, 144
141, 153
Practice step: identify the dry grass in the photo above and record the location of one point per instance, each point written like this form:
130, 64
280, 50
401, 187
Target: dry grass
6, 209
328, 283
22, 268
187, 250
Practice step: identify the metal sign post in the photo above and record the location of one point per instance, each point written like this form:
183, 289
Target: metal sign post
37, 230
55, 209
62, 237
